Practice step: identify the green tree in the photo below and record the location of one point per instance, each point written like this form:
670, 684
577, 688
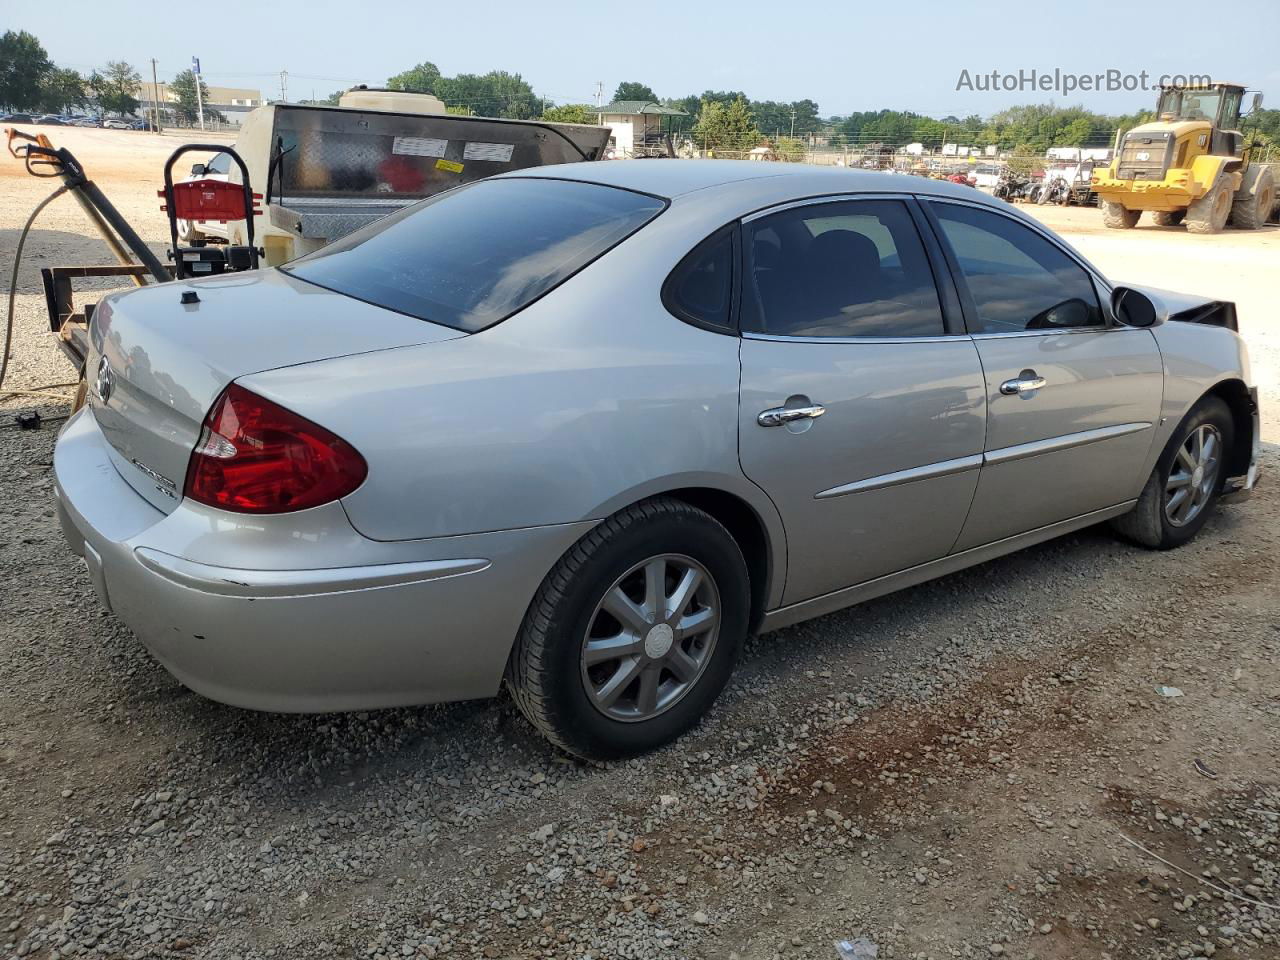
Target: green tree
571, 113
24, 65
183, 86
634, 91
726, 126
115, 88
791, 149
419, 79
61, 89
800, 116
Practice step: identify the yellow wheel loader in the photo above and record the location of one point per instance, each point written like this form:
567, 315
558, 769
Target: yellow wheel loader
1190, 165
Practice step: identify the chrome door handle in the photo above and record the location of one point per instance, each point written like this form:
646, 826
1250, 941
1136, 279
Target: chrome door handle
1022, 384
777, 416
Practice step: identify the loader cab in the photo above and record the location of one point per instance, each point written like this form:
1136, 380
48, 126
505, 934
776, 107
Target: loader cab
1217, 104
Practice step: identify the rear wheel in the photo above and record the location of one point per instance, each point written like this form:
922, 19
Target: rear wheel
1252, 203
190, 234
1118, 217
1168, 218
635, 632
1209, 213
1186, 481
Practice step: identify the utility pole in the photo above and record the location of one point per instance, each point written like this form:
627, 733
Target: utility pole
284, 85
793, 123
195, 63
155, 98
599, 91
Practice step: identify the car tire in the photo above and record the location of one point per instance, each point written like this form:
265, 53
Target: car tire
189, 234
1151, 523
563, 674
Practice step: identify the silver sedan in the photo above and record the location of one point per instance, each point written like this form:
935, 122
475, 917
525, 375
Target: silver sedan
582, 430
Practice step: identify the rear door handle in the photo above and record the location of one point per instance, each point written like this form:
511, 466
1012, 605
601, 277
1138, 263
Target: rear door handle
777, 416
1026, 382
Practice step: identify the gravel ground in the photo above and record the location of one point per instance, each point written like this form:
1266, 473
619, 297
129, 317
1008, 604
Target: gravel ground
981, 766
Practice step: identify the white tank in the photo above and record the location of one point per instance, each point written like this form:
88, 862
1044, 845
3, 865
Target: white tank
393, 101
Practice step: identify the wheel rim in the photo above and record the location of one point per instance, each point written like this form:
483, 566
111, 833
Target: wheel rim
1193, 477
1222, 206
650, 638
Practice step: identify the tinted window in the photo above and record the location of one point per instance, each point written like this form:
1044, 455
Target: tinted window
851, 269
700, 289
221, 163
473, 256
1018, 279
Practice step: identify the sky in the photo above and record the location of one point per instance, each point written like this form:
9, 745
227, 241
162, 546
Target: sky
848, 55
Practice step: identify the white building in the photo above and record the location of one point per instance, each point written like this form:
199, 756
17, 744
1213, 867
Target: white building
637, 126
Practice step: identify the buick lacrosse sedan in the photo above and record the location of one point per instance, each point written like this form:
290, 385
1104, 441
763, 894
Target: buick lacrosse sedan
581, 430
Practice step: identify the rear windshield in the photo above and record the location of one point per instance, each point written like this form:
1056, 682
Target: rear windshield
474, 256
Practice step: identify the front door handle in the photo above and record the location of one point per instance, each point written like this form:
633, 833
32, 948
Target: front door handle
1026, 382
777, 416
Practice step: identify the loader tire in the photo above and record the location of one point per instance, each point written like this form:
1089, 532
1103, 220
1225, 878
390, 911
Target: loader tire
1209, 213
1118, 217
1168, 218
1252, 203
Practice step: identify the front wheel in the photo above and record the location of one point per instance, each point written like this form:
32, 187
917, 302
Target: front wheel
1187, 479
634, 633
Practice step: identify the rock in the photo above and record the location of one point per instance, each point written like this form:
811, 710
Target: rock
701, 919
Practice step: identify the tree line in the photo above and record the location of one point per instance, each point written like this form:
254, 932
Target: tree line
29, 81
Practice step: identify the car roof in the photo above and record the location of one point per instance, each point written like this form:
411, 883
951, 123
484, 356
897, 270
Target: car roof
671, 178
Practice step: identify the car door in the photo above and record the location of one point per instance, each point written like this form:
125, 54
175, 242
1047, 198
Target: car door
1072, 400
862, 402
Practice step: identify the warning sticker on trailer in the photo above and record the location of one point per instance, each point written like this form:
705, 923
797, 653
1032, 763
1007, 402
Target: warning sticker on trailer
419, 146
495, 152
452, 166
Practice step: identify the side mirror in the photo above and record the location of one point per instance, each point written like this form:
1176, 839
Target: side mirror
1257, 103
197, 169
1133, 308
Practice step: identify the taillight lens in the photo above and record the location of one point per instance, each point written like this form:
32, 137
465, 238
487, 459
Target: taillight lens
254, 456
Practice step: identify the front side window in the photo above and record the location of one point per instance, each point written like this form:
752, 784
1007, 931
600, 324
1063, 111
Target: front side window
842, 269
472, 257
1018, 280
221, 163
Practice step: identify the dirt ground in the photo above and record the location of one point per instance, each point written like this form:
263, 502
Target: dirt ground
980, 766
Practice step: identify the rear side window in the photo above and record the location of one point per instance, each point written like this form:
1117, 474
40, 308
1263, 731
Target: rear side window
473, 256
700, 288
842, 269
1017, 278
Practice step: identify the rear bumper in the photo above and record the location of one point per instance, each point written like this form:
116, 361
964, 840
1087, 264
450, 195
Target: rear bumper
310, 618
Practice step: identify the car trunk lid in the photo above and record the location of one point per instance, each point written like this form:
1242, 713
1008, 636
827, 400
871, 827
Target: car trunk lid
157, 364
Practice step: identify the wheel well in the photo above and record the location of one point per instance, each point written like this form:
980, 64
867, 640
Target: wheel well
1236, 396
745, 526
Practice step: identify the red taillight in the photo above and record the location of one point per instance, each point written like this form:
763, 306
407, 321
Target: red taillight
254, 456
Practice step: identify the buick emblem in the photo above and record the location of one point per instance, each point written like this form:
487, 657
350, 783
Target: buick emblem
105, 380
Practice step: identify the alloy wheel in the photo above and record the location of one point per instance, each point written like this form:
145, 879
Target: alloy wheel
1193, 476
650, 638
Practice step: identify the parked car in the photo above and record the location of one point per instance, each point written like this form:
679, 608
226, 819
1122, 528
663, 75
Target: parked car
19, 118
50, 120
583, 429
138, 125
115, 123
